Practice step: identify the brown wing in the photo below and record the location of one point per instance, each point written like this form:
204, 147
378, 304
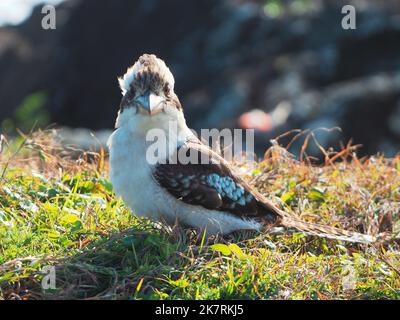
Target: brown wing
209, 181
214, 185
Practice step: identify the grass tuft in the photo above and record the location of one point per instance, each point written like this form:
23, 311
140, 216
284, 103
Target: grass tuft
57, 209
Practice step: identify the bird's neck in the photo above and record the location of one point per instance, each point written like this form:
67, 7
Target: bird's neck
161, 132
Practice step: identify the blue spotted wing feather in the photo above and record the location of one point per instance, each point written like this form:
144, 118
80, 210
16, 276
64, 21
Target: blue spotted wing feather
212, 185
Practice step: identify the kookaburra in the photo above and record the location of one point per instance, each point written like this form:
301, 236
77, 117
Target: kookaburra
208, 196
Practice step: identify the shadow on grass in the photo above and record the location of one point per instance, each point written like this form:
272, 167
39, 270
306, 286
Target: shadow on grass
127, 265
134, 264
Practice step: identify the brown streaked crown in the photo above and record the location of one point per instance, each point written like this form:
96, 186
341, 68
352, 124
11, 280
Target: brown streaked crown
150, 76
149, 73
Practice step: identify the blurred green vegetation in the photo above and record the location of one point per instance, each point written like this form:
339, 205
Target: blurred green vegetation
29, 114
277, 8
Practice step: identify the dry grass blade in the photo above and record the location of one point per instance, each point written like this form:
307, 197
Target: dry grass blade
57, 208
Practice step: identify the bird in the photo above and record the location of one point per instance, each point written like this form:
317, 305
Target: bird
207, 195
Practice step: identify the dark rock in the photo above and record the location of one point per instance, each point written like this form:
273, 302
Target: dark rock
227, 58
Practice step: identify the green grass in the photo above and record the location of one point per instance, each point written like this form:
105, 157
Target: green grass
61, 212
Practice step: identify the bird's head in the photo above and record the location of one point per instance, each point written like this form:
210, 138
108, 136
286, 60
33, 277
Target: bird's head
148, 98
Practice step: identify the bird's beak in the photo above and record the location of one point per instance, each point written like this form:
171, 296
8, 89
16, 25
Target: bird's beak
150, 102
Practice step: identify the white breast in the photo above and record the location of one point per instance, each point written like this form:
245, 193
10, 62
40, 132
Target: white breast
130, 174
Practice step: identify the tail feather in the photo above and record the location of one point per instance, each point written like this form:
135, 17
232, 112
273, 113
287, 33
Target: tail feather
326, 231
281, 218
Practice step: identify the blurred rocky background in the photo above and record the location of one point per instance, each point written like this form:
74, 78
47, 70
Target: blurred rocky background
273, 65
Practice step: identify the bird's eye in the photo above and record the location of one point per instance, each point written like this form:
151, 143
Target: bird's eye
167, 89
130, 95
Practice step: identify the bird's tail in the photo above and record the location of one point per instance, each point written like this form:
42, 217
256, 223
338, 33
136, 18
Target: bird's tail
279, 217
318, 230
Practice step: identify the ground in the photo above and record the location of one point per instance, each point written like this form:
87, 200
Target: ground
57, 209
